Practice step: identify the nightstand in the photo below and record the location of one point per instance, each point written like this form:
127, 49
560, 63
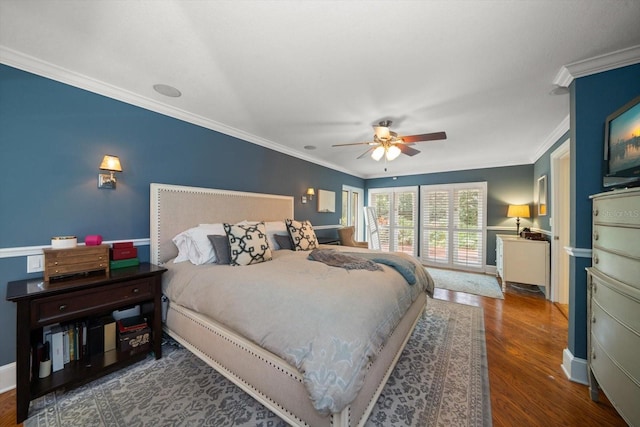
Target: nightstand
43, 303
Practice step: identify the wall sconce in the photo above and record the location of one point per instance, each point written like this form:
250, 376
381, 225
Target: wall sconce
308, 195
518, 211
111, 164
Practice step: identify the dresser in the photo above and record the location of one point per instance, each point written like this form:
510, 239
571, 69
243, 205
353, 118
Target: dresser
613, 292
522, 261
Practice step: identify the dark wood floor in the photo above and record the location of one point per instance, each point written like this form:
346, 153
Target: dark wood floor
525, 337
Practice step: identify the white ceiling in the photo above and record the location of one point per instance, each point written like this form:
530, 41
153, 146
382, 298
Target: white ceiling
289, 74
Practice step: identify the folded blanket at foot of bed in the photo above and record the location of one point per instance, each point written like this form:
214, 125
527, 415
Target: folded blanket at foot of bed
365, 261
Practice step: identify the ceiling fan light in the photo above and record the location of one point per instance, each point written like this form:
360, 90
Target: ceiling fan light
393, 152
377, 153
382, 132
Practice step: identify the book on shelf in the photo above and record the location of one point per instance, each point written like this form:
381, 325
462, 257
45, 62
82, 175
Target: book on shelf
57, 348
128, 324
109, 333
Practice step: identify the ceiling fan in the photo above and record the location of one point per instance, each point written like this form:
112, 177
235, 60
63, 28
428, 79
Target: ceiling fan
388, 144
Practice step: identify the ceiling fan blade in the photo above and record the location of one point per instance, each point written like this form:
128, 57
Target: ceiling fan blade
365, 153
425, 137
352, 143
407, 150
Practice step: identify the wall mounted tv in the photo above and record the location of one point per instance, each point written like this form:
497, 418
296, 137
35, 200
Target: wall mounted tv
622, 146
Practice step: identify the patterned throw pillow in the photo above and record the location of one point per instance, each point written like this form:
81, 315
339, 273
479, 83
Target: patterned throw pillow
302, 235
248, 243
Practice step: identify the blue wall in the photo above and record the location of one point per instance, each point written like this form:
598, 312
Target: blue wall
593, 98
505, 186
52, 139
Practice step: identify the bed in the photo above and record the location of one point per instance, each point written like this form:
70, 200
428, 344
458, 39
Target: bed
244, 341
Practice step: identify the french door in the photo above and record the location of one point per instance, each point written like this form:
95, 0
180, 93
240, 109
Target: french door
352, 209
397, 211
454, 224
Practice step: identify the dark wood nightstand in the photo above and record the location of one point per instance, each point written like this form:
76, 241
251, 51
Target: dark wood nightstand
41, 303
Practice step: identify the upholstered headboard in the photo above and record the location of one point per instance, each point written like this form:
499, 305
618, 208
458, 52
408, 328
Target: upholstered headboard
175, 208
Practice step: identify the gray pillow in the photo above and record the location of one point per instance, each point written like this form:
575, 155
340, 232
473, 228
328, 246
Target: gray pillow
220, 245
283, 241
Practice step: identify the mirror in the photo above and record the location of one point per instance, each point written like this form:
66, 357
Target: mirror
542, 195
326, 201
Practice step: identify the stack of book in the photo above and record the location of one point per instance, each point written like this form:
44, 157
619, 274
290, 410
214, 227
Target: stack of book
123, 254
133, 334
71, 341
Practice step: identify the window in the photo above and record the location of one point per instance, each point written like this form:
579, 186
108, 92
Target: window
397, 210
454, 225
352, 209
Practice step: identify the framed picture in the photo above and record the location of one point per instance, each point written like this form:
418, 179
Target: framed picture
542, 195
326, 201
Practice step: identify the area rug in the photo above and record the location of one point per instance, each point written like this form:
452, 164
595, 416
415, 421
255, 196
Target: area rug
470, 283
441, 379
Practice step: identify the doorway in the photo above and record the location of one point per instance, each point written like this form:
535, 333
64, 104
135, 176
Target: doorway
560, 224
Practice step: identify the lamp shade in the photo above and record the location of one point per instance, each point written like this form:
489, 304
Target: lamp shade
111, 163
518, 211
377, 153
311, 192
392, 152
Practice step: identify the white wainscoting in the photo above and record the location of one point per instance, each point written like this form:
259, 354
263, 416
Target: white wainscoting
7, 377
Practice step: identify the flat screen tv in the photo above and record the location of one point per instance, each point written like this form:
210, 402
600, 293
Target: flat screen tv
622, 146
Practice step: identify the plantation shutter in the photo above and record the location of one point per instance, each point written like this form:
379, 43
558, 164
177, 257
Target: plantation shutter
468, 223
397, 210
435, 220
453, 225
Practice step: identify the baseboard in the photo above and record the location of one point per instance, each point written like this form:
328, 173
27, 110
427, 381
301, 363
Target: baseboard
575, 369
490, 269
7, 377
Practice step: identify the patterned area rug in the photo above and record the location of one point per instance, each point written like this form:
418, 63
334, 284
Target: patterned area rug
470, 283
441, 379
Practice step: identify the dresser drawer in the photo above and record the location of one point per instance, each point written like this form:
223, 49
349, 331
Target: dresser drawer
617, 299
623, 209
622, 344
621, 268
76, 304
622, 240
619, 388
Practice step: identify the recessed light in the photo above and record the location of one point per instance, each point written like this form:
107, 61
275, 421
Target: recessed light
309, 147
167, 90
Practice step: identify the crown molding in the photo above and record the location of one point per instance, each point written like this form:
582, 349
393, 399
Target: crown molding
553, 137
597, 64
46, 69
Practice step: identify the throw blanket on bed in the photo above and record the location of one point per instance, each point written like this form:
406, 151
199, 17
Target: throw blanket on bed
344, 260
365, 261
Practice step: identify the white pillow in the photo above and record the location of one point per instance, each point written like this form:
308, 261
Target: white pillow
273, 228
194, 245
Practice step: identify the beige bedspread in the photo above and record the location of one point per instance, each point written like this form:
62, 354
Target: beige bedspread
326, 321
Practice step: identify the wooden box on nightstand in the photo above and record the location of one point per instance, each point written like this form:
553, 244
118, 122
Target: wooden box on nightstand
82, 259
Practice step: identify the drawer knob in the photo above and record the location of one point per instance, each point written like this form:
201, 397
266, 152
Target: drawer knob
593, 319
62, 307
595, 235
595, 259
594, 288
55, 263
136, 290
593, 353
595, 212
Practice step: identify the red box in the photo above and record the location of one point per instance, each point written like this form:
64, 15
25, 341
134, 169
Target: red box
123, 253
93, 240
120, 245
